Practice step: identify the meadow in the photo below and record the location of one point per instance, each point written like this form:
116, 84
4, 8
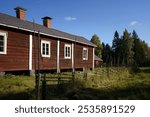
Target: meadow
111, 83
16, 87
115, 83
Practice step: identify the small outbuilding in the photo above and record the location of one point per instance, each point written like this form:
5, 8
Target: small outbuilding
97, 61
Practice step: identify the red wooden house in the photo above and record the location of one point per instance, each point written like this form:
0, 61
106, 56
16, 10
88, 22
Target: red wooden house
22, 40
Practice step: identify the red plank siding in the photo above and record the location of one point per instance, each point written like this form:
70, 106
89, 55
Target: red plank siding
79, 62
17, 51
45, 63
17, 57
64, 63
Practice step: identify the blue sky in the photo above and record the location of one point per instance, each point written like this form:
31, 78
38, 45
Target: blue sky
88, 17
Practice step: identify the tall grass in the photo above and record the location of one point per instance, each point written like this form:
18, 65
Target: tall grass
116, 83
16, 87
102, 83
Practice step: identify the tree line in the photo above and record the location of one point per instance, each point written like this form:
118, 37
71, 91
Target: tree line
126, 50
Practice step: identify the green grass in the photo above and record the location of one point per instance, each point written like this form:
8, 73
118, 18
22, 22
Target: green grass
16, 87
116, 83
102, 83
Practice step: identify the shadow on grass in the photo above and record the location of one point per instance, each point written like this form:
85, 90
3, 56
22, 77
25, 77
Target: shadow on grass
131, 93
25, 95
138, 92
55, 91
67, 91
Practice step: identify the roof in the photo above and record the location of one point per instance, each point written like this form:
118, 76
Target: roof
97, 58
13, 22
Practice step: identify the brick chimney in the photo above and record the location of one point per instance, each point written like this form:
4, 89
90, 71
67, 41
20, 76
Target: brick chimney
47, 21
20, 12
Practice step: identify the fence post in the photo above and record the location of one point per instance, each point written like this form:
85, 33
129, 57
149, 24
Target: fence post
44, 88
84, 73
73, 78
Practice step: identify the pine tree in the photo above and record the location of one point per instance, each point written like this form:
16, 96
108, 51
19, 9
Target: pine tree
116, 48
108, 55
103, 52
136, 48
141, 51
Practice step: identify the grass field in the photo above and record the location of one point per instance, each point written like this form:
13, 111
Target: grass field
16, 87
102, 83
116, 83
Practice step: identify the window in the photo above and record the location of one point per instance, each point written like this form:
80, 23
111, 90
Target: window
45, 48
3, 43
67, 51
85, 54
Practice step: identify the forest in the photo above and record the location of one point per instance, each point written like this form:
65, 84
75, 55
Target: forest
127, 50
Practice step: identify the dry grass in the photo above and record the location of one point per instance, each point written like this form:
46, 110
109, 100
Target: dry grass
16, 87
113, 83
102, 83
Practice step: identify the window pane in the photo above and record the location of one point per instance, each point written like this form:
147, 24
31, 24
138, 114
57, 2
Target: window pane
43, 48
1, 38
1, 49
1, 43
85, 53
47, 52
68, 51
47, 46
47, 49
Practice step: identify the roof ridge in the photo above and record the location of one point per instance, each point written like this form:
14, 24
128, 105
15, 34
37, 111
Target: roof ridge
12, 21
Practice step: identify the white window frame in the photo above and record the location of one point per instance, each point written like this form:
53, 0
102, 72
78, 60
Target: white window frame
85, 58
45, 42
68, 46
5, 42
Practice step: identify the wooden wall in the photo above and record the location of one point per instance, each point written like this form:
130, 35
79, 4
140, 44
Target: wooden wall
45, 63
17, 57
79, 62
64, 63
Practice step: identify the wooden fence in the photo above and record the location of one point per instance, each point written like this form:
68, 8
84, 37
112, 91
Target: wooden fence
57, 79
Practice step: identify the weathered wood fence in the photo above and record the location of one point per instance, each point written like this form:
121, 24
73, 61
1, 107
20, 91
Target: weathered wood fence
57, 79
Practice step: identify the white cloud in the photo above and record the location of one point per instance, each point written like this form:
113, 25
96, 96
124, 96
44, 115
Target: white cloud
69, 18
134, 23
